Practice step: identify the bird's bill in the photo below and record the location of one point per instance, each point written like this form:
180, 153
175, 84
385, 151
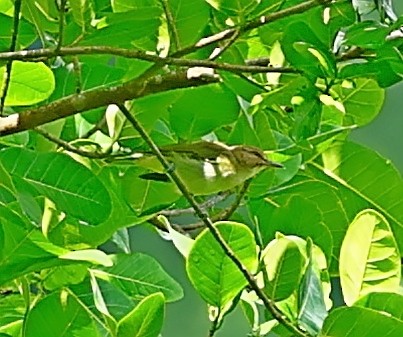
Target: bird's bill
274, 164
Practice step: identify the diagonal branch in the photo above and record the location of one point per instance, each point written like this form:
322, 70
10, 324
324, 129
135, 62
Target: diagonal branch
203, 216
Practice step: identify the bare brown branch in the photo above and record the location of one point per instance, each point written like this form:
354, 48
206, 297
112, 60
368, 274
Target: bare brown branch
99, 97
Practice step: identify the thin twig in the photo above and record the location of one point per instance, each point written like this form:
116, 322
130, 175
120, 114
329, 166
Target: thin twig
227, 44
9, 65
96, 127
173, 32
269, 304
224, 214
207, 204
68, 147
141, 55
62, 10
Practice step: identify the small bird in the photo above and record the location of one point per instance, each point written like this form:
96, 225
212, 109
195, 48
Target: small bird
208, 167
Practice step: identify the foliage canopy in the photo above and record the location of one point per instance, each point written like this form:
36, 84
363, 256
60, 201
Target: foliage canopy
83, 81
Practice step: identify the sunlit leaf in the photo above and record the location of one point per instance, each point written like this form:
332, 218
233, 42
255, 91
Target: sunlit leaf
145, 320
369, 257
360, 322
30, 83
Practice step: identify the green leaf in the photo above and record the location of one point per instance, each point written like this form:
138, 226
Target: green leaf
71, 186
366, 34
74, 235
212, 273
234, 7
312, 305
300, 217
364, 180
13, 308
360, 322
284, 267
137, 28
323, 195
61, 314
26, 33
362, 99
307, 116
304, 50
145, 320
43, 14
93, 256
30, 83
82, 12
189, 27
369, 257
60, 276
139, 275
390, 303
202, 110
24, 250
91, 75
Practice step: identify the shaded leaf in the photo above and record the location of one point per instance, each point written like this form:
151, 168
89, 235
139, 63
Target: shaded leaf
61, 314
202, 110
71, 186
24, 250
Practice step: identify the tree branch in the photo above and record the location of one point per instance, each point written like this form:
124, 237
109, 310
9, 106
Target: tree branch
140, 55
94, 98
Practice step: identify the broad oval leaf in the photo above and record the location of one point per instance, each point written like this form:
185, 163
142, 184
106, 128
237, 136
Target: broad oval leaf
71, 186
139, 275
202, 110
360, 322
369, 257
30, 83
145, 320
300, 217
362, 99
214, 275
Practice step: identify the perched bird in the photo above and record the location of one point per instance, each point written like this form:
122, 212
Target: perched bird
207, 167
